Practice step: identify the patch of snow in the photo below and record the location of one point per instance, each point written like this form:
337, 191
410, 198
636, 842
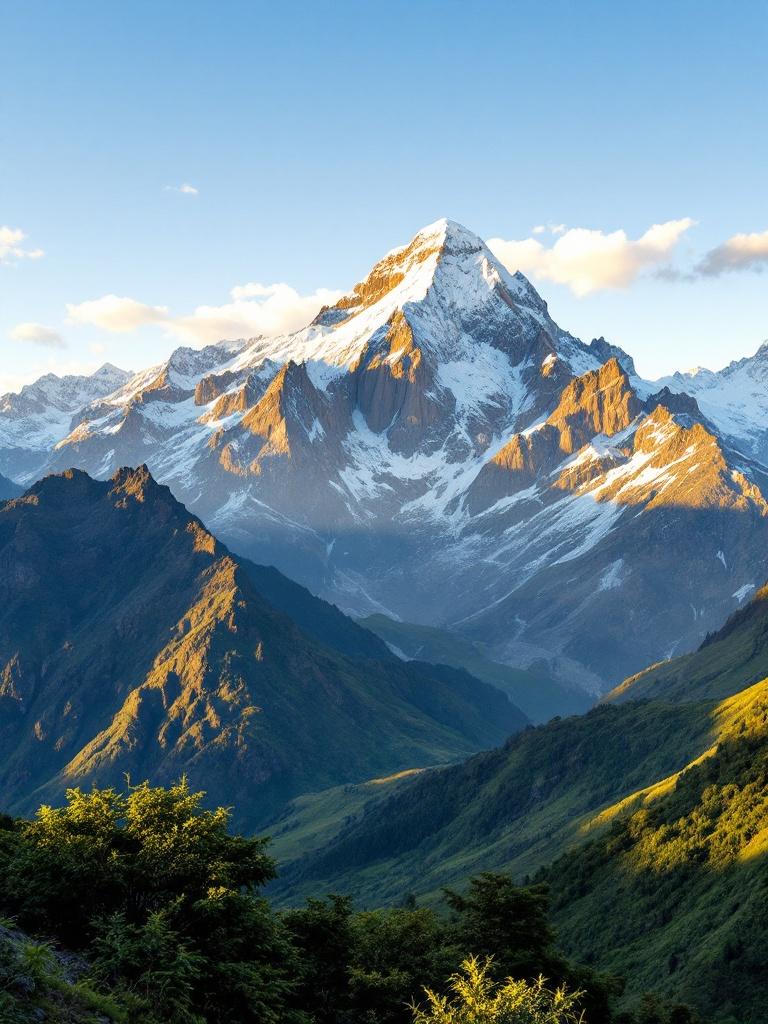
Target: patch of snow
611, 578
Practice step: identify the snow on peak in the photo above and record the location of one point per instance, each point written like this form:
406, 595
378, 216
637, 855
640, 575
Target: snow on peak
450, 235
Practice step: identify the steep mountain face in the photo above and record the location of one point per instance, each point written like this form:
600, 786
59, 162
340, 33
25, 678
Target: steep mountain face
132, 641
628, 550
435, 448
41, 414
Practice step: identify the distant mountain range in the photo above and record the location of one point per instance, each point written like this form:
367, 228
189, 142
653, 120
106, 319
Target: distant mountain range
33, 421
133, 643
436, 449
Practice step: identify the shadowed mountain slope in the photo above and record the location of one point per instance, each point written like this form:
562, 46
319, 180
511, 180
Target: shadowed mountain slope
131, 641
730, 660
538, 695
8, 489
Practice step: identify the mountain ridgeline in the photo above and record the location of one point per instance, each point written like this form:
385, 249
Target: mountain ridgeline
131, 641
436, 449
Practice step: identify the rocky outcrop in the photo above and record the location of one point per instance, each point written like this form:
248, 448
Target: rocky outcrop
394, 386
600, 402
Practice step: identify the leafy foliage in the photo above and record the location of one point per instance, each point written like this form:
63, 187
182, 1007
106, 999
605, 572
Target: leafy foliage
475, 999
163, 904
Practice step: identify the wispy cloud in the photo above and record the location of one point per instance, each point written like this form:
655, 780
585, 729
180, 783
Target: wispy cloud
739, 252
37, 334
255, 309
588, 260
12, 248
185, 189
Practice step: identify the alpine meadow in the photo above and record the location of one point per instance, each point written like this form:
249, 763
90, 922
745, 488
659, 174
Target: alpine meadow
383, 595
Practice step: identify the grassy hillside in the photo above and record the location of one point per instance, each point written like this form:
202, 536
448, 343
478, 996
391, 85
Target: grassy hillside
534, 691
315, 819
676, 889
665, 883
514, 808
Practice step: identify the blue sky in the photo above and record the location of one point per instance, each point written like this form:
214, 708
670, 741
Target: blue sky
318, 136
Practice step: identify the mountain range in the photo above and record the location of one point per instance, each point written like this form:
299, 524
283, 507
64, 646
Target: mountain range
434, 448
133, 643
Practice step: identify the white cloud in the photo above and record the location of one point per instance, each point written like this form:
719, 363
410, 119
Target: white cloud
186, 189
266, 309
37, 334
588, 260
11, 247
116, 313
539, 229
740, 252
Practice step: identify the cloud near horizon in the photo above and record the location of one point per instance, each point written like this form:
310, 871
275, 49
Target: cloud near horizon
186, 189
37, 334
744, 251
587, 260
255, 309
11, 247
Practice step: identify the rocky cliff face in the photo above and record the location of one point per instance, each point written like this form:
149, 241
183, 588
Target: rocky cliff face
436, 448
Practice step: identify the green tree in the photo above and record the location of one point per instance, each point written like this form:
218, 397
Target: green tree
106, 852
155, 889
323, 936
395, 955
495, 918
